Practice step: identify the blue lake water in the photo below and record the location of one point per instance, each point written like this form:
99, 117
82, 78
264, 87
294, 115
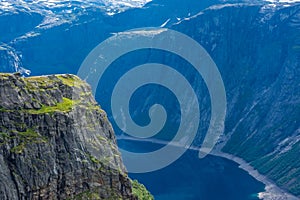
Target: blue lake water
191, 178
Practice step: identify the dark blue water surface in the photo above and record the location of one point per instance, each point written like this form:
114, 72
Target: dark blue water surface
191, 178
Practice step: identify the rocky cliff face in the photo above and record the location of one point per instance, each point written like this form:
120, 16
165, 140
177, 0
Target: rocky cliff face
56, 142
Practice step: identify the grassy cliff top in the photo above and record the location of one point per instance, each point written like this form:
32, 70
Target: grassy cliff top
44, 94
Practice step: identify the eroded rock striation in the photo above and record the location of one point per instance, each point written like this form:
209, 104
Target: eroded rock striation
56, 142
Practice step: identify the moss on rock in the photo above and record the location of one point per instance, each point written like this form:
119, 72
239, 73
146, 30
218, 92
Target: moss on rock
64, 106
140, 191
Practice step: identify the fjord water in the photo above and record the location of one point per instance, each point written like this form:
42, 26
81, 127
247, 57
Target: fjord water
191, 178
240, 38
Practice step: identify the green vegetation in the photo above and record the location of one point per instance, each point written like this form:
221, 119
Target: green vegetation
87, 195
140, 191
19, 148
64, 106
29, 134
39, 80
27, 137
94, 195
283, 168
5, 74
91, 106
4, 137
94, 159
5, 110
69, 80
259, 149
44, 82
104, 161
101, 138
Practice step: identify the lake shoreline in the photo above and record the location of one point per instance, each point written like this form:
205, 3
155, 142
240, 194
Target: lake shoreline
272, 191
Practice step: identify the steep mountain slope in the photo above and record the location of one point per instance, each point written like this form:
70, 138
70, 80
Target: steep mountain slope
56, 142
257, 51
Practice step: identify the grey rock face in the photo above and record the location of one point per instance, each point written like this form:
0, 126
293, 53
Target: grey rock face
256, 48
56, 142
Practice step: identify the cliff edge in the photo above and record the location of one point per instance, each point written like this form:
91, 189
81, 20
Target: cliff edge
56, 142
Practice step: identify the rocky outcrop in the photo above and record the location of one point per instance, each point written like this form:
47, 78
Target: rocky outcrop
56, 142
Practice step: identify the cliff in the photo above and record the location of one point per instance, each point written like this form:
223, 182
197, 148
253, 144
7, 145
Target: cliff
256, 48
56, 142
